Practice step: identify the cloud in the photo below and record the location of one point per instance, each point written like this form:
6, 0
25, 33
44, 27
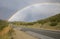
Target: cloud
5, 13
36, 12
15, 5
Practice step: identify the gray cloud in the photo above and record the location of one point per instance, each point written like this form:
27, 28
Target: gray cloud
5, 13
33, 13
11, 6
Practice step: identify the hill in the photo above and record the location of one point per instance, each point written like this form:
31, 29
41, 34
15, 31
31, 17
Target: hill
52, 22
53, 19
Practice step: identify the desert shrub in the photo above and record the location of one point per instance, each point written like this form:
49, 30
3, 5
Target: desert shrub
3, 24
53, 23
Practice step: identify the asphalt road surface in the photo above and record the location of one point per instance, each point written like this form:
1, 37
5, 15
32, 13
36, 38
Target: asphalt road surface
49, 33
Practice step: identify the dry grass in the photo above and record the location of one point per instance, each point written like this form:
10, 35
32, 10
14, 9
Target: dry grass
46, 26
4, 33
5, 30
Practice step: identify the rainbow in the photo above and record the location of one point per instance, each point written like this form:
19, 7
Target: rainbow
30, 6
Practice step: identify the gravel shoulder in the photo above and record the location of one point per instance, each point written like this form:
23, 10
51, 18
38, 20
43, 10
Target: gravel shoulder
21, 35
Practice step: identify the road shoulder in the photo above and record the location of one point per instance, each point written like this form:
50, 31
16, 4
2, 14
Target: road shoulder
21, 35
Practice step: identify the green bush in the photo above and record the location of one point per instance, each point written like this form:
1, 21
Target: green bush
53, 23
3, 24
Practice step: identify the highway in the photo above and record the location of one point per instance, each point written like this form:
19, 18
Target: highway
40, 33
46, 33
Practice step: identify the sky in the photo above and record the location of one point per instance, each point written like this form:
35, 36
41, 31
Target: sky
9, 7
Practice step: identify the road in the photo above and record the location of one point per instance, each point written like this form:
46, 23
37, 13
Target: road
46, 33
40, 33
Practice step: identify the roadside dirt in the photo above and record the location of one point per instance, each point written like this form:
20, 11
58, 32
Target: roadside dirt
21, 35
